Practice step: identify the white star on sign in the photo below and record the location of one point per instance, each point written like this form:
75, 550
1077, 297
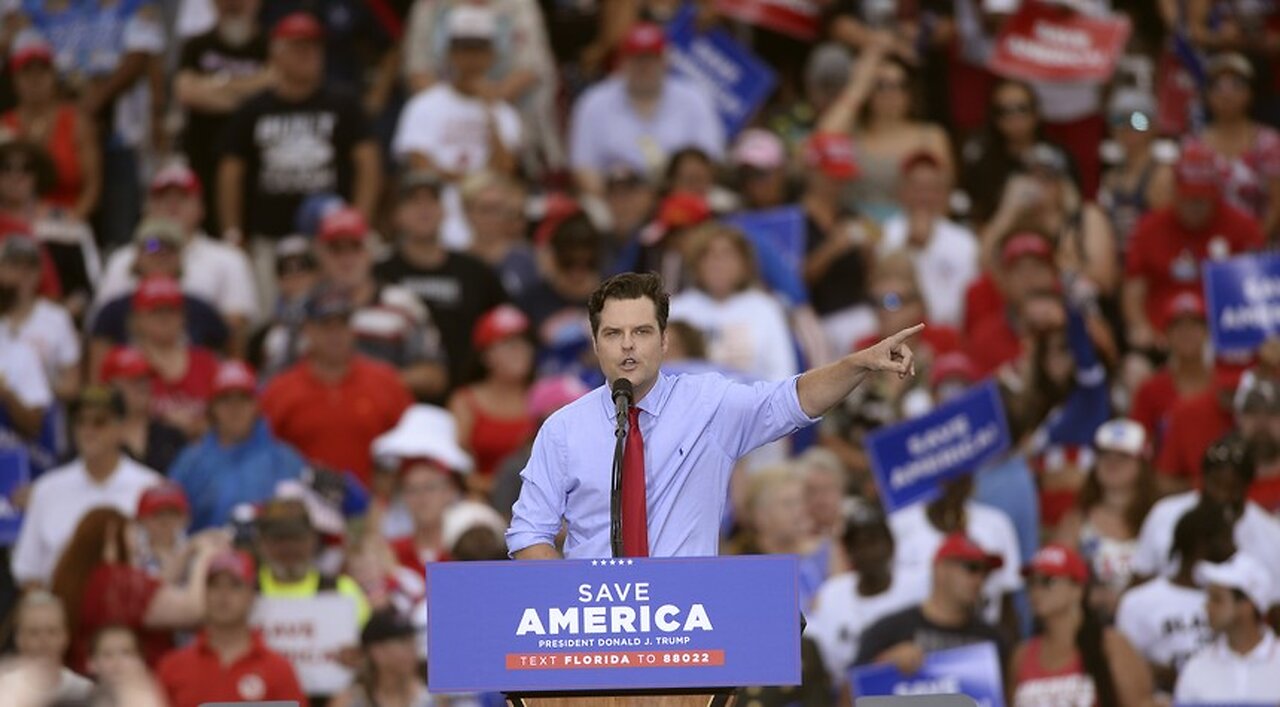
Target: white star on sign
593, 563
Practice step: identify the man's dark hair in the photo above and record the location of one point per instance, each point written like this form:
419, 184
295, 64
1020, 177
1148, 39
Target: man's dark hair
630, 286
1197, 531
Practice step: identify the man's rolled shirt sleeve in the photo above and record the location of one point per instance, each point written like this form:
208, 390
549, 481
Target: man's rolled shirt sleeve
752, 415
537, 514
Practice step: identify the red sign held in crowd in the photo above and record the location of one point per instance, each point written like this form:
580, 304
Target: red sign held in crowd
1047, 43
795, 18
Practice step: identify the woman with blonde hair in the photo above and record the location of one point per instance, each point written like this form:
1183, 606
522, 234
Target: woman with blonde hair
745, 327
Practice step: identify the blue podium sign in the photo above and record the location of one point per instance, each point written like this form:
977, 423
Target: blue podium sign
613, 624
1243, 298
973, 671
912, 458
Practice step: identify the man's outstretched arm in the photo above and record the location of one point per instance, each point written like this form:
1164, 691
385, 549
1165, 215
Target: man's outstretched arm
821, 388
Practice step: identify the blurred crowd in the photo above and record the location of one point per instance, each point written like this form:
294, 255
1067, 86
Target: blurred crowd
287, 288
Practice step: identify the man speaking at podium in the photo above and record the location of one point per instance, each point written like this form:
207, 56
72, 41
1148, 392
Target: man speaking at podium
684, 435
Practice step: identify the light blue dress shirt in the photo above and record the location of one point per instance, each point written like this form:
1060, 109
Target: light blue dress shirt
695, 427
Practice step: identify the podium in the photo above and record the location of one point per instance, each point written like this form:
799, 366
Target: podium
671, 632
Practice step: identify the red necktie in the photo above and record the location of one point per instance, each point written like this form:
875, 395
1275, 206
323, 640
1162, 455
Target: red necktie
635, 511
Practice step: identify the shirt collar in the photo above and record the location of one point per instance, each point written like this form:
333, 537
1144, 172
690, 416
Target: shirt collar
651, 403
256, 644
1261, 653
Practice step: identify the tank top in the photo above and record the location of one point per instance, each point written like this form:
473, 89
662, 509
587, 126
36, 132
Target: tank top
60, 143
493, 438
1069, 686
1111, 560
1126, 207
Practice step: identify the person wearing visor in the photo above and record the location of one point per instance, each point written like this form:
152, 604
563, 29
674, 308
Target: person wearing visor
947, 618
1139, 179
1074, 653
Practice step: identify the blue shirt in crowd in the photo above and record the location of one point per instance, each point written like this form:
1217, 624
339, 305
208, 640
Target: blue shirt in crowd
695, 427
217, 478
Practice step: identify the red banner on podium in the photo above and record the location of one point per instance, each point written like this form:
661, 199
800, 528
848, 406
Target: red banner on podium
795, 18
1046, 43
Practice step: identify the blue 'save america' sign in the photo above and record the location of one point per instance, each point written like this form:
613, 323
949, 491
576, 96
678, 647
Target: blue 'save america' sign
912, 458
613, 624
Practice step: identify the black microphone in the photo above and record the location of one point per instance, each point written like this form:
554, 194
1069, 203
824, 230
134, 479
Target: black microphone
622, 396
623, 393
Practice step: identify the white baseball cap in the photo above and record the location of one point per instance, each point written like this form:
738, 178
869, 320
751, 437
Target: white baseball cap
1241, 572
1121, 435
472, 22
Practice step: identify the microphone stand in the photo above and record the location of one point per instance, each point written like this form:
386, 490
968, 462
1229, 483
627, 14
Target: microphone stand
615, 498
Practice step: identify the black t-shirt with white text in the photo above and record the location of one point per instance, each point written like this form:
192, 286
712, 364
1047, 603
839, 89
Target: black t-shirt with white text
458, 293
293, 150
210, 55
912, 625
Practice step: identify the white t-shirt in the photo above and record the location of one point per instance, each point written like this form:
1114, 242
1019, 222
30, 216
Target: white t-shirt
1219, 675
1166, 623
746, 332
839, 615
1255, 533
916, 541
50, 331
59, 499
452, 130
945, 266
22, 373
212, 271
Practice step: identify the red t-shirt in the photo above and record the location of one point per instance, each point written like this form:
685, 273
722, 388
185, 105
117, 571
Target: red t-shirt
1194, 424
1167, 256
407, 555
983, 299
334, 423
190, 392
992, 343
195, 675
118, 594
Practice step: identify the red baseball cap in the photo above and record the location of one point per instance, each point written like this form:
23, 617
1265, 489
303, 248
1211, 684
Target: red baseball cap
166, 496
497, 324
1058, 561
156, 292
831, 154
124, 362
234, 377
298, 25
176, 176
343, 224
559, 207
236, 563
1188, 305
958, 546
29, 47
682, 209
953, 365
1022, 245
1200, 172
643, 38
